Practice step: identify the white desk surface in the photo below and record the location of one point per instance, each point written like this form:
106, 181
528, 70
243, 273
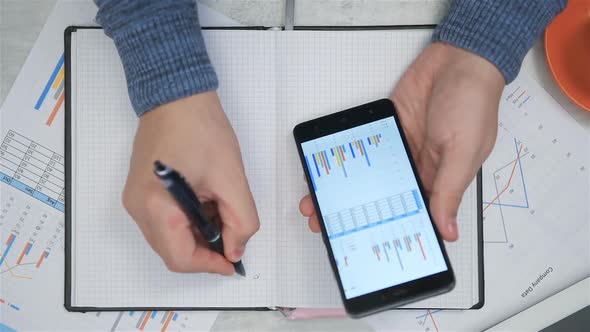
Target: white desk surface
21, 21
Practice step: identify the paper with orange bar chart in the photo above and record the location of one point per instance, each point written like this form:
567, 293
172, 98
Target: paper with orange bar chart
32, 182
32, 198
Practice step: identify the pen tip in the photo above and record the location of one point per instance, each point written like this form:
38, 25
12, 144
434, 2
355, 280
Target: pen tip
240, 268
161, 170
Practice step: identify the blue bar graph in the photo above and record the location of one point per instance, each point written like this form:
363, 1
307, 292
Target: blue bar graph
366, 154
49, 82
316, 166
9, 244
311, 173
351, 150
401, 265
342, 161
385, 247
340, 155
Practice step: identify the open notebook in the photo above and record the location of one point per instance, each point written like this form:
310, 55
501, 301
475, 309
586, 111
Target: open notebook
269, 82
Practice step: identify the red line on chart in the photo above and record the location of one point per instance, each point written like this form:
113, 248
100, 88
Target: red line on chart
509, 180
147, 317
170, 314
432, 318
43, 256
23, 253
417, 235
56, 109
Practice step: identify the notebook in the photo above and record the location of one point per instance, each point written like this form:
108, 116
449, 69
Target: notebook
269, 82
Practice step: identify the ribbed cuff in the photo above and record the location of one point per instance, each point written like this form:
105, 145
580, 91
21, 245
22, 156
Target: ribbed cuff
501, 31
163, 54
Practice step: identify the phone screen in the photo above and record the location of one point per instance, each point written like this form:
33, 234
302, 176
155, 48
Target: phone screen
373, 211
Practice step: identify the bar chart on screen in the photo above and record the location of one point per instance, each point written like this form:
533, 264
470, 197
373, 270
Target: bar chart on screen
399, 249
388, 250
341, 158
404, 244
372, 208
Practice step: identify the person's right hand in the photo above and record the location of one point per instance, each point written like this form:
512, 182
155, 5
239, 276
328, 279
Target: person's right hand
193, 136
447, 101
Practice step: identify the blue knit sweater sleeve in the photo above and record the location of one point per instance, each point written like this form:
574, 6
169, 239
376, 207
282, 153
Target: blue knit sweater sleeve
502, 31
161, 47
164, 54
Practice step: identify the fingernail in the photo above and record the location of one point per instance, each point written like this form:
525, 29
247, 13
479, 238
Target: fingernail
452, 226
239, 252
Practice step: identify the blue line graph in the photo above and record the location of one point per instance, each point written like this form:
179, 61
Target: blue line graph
526, 197
426, 314
424, 317
508, 205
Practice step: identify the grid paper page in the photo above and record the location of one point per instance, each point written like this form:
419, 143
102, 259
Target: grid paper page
321, 72
270, 81
114, 265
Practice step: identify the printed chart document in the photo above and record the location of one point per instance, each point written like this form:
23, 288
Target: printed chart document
512, 265
270, 81
536, 189
31, 201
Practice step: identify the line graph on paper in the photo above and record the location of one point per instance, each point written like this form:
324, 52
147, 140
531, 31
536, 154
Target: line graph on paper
532, 162
427, 322
516, 179
507, 189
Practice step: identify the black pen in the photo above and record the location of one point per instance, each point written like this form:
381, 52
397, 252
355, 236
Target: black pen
189, 203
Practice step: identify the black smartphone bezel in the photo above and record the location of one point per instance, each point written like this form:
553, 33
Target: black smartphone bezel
397, 295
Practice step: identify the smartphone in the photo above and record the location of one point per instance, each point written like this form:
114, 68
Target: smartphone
383, 246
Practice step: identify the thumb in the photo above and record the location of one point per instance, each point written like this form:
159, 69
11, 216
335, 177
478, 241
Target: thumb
455, 172
239, 218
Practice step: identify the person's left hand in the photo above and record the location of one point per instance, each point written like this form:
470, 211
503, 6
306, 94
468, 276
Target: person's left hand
447, 101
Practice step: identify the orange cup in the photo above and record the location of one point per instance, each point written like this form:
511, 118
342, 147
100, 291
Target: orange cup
567, 48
